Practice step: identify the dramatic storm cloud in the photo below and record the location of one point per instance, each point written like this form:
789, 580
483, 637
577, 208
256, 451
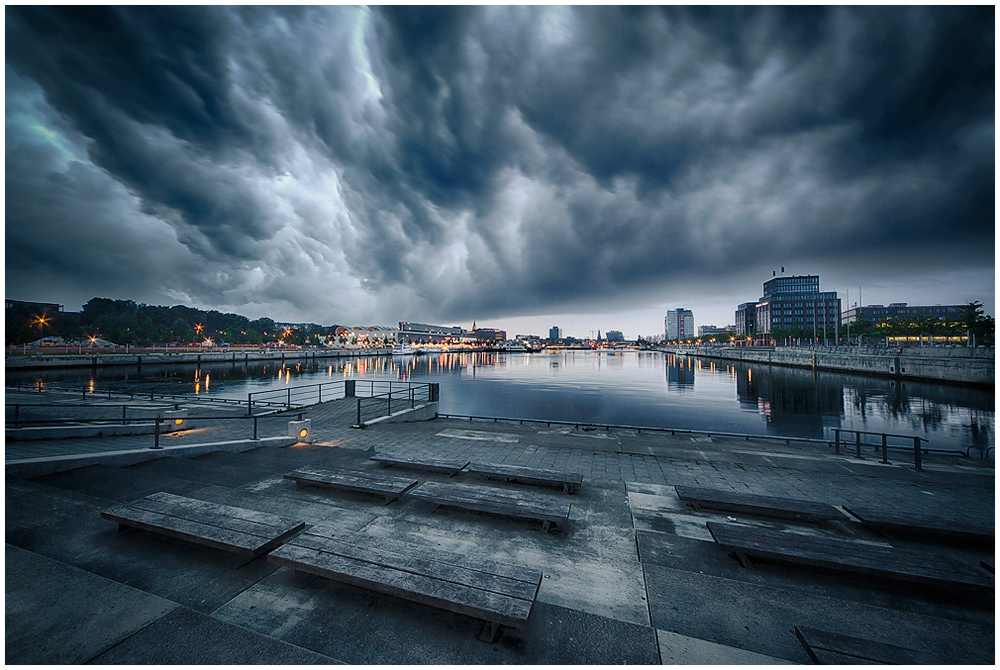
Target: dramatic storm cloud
353, 165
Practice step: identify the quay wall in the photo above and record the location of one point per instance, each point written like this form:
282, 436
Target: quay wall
957, 365
182, 358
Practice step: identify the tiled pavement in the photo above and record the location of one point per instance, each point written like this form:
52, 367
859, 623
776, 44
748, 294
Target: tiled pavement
636, 578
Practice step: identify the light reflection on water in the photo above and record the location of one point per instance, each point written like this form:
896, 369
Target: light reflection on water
618, 388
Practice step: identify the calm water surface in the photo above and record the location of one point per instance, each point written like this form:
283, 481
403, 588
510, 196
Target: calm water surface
630, 388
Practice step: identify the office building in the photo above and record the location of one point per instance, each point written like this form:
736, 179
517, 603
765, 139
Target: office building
678, 324
794, 302
714, 330
901, 310
615, 336
555, 333
746, 318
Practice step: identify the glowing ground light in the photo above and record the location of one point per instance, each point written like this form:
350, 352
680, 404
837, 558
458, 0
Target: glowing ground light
178, 422
303, 432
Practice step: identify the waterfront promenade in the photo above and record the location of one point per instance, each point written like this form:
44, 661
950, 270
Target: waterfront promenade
635, 577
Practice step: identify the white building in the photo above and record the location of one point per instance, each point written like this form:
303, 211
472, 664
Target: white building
678, 324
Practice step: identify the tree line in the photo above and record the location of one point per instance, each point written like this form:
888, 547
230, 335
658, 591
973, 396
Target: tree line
128, 322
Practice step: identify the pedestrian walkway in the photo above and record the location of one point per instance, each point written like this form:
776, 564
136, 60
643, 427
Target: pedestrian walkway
634, 577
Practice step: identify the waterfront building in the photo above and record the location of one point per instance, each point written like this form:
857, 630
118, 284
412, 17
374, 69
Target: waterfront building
678, 324
489, 335
746, 318
422, 332
795, 302
704, 331
614, 336
900, 310
555, 333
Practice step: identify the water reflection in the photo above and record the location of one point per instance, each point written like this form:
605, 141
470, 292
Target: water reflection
634, 388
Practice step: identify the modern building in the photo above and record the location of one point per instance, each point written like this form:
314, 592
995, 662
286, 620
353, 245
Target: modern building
422, 332
615, 336
678, 324
900, 310
714, 330
555, 333
794, 302
746, 318
488, 335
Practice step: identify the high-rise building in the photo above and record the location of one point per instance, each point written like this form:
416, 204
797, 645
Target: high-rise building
746, 318
795, 302
678, 324
555, 333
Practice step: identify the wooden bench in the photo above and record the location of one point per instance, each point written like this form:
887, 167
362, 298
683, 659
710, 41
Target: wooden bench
500, 593
450, 468
536, 476
386, 486
243, 532
509, 503
756, 505
826, 648
920, 525
849, 556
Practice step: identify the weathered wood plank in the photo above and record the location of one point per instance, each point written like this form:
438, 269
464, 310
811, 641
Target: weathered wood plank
428, 567
348, 480
209, 517
219, 508
517, 504
509, 570
885, 520
211, 536
478, 603
827, 648
850, 556
757, 505
535, 476
449, 467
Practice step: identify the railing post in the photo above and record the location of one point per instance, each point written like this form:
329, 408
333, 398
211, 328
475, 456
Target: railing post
857, 443
255, 428
156, 434
916, 454
836, 440
358, 423
249, 403
17, 413
289, 402
885, 450
124, 409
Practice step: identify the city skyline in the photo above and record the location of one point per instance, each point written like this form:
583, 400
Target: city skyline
520, 167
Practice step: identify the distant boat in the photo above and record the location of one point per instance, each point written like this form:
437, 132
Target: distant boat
403, 349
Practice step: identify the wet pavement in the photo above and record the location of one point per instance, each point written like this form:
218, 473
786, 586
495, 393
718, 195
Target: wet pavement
634, 577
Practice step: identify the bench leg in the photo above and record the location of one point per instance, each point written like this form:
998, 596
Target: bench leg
546, 525
743, 559
491, 632
301, 578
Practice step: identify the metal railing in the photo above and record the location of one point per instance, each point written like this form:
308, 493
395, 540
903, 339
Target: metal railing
157, 421
112, 391
371, 395
833, 444
859, 443
18, 408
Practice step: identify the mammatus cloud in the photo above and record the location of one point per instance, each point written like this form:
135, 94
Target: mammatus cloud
342, 164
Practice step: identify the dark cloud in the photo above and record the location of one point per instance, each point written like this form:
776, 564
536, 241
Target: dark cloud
438, 163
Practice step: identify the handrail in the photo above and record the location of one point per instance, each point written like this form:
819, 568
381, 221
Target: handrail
688, 431
152, 395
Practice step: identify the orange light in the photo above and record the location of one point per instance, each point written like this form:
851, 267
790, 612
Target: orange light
178, 422
303, 432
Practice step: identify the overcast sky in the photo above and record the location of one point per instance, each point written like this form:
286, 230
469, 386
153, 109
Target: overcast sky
519, 167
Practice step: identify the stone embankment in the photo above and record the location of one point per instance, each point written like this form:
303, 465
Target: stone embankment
42, 362
963, 365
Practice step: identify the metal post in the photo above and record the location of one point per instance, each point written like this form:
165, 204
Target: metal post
255, 428
836, 440
916, 454
885, 451
249, 403
857, 442
289, 403
124, 408
156, 434
17, 413
358, 423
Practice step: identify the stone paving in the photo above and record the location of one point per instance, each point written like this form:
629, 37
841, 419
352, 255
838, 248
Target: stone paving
635, 577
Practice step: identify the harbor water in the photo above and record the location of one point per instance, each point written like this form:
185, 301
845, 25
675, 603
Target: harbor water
616, 388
